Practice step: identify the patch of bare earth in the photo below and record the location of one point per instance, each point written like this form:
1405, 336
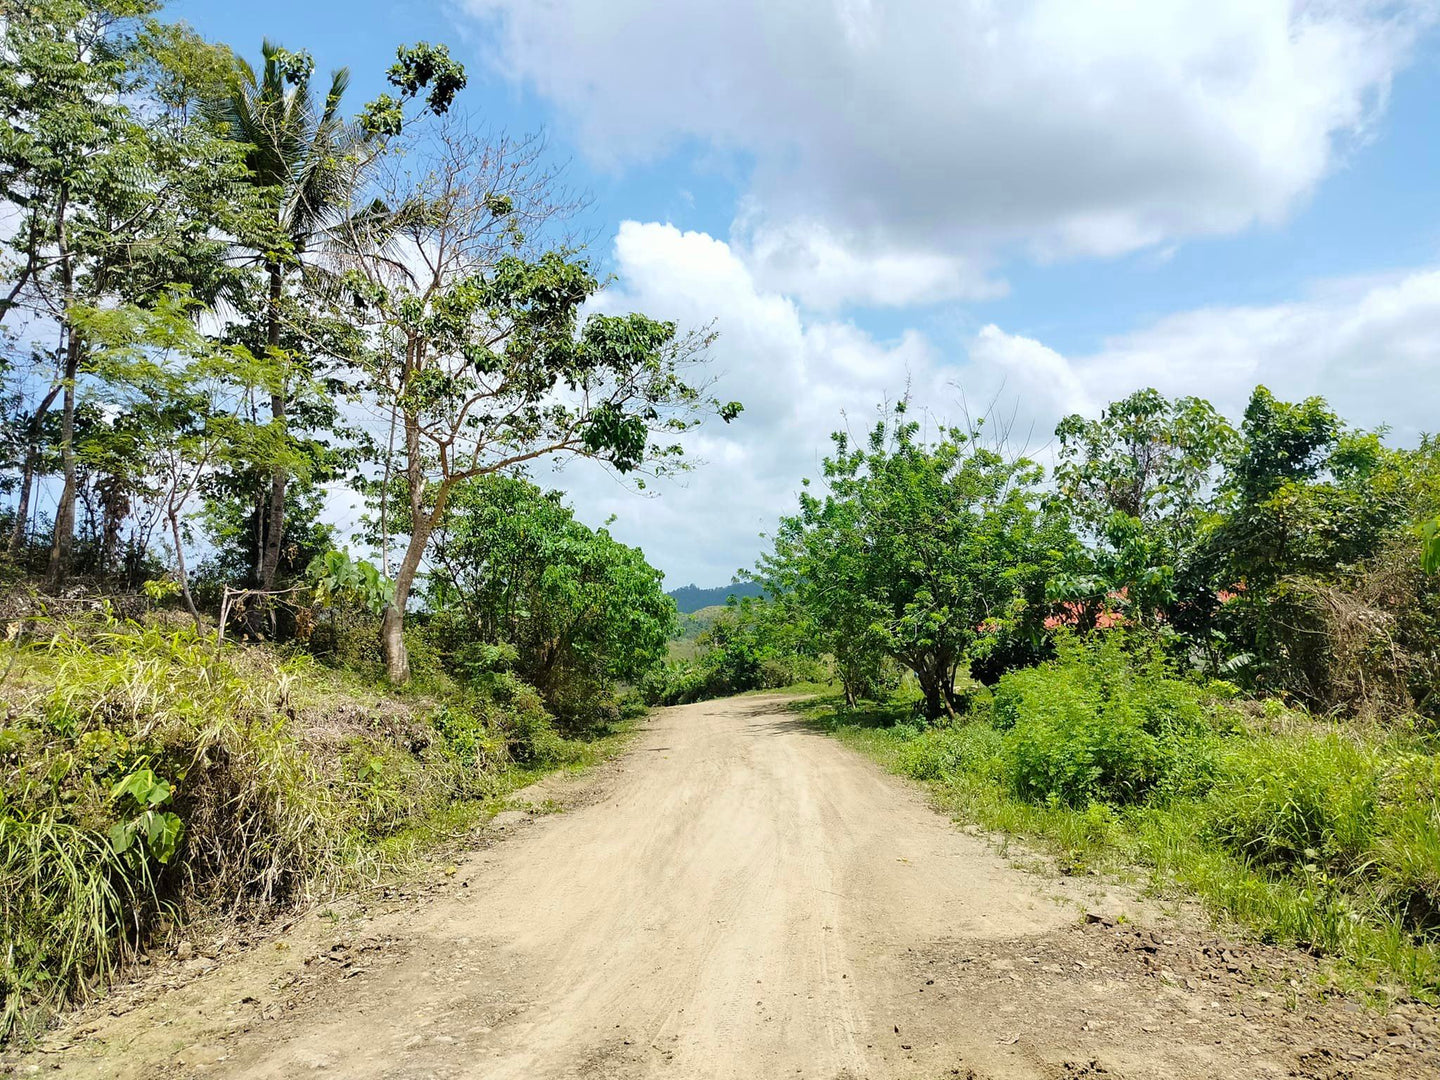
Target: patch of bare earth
738, 897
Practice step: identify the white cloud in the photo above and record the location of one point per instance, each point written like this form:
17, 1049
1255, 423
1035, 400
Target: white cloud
1372, 347
824, 270
798, 378
901, 148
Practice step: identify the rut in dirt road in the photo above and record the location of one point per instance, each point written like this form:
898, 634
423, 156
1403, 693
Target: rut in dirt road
745, 898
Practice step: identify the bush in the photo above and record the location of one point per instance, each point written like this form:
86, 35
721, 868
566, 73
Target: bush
99, 710
1100, 724
1074, 754
976, 749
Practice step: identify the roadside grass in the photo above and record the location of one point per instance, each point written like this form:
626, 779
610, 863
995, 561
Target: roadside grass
148, 779
1305, 833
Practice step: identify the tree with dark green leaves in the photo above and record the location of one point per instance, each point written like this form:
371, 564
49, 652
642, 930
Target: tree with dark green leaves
583, 611
818, 571
1138, 482
929, 549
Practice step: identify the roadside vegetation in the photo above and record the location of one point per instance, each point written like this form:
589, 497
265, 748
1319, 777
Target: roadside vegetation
746, 645
1203, 651
229, 291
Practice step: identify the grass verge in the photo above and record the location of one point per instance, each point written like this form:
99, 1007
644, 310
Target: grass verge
1305, 833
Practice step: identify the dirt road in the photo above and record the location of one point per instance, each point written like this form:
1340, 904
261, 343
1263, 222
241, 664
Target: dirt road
739, 897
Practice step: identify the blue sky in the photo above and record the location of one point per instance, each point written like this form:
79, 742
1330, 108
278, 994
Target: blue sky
1045, 203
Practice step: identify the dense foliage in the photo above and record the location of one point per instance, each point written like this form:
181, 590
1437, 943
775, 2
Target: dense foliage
923, 552
583, 613
749, 644
242, 271
1285, 556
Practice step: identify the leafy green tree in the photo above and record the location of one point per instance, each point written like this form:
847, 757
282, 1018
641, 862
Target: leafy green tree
1138, 482
179, 404
480, 353
818, 571
307, 163
952, 546
583, 611
119, 196
1309, 502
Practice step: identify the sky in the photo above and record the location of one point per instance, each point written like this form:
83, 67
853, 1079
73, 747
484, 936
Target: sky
1022, 208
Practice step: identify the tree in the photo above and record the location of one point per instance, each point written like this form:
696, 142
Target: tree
307, 161
119, 197
1137, 481
583, 611
179, 405
296, 156
933, 544
479, 351
817, 570
1308, 501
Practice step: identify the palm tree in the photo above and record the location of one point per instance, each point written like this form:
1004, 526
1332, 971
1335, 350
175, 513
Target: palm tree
301, 157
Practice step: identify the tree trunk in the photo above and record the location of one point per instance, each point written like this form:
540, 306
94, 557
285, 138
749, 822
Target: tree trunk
392, 645
392, 625
931, 688
275, 518
181, 573
22, 508
938, 686
27, 479
63, 538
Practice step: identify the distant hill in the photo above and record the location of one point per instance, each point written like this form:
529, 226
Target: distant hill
685, 643
690, 598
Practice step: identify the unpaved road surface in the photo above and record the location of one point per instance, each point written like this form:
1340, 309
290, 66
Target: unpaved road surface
738, 897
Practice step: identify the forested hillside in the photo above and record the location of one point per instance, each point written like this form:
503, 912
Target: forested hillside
691, 598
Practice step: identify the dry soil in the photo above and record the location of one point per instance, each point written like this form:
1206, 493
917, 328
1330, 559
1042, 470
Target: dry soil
739, 896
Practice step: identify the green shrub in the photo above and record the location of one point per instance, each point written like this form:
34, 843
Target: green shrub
1298, 800
974, 748
1074, 753
468, 736
1100, 723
